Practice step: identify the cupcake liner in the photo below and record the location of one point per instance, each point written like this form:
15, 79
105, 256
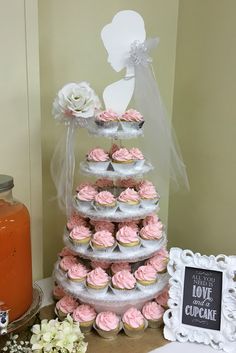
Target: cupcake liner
108, 334
122, 167
125, 207
122, 292
84, 205
139, 163
86, 327
149, 203
135, 332
147, 287
98, 166
60, 314
129, 126
155, 323
111, 126
106, 210
79, 285
98, 291
149, 243
99, 250
128, 249
79, 245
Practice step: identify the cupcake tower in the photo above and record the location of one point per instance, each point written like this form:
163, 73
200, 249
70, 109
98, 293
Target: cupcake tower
114, 263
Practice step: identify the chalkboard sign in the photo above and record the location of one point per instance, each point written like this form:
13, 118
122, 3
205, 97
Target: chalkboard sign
202, 298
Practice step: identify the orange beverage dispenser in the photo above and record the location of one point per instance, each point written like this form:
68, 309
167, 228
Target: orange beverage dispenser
15, 253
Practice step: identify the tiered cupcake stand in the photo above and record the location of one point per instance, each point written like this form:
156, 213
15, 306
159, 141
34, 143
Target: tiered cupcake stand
109, 300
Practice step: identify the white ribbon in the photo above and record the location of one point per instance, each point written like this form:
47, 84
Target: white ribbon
160, 144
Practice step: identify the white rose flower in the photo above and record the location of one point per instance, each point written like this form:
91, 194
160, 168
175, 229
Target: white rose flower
75, 100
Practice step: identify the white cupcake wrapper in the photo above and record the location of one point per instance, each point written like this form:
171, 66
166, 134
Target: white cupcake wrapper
77, 285
135, 333
98, 166
104, 250
97, 292
123, 292
131, 125
79, 245
149, 203
125, 207
107, 334
139, 163
150, 243
147, 287
106, 210
122, 167
84, 205
128, 249
111, 126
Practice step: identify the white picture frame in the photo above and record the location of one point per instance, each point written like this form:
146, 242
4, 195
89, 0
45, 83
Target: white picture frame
188, 271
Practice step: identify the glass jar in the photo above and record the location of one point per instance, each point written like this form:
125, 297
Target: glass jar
15, 253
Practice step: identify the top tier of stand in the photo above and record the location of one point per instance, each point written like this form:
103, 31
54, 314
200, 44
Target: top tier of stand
121, 133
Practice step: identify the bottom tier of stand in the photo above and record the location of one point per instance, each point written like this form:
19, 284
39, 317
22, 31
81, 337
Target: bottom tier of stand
116, 302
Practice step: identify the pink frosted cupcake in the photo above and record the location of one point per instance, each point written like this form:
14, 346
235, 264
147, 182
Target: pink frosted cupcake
77, 273
113, 149
146, 276
150, 234
159, 261
134, 322
104, 184
82, 185
152, 218
129, 200
80, 236
105, 201
149, 196
75, 220
97, 281
85, 197
107, 324
103, 241
122, 160
153, 313
131, 119
120, 266
138, 157
108, 120
85, 315
98, 159
123, 282
131, 224
58, 292
67, 262
128, 239
65, 306
103, 264
162, 299
126, 183
104, 225
66, 252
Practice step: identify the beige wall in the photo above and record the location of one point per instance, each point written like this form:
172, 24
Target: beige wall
204, 117
20, 133
71, 50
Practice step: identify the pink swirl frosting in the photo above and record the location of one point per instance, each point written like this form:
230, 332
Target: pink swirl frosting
148, 192
103, 238
152, 311
66, 252
120, 266
84, 313
98, 155
67, 304
104, 265
131, 224
162, 299
123, 280
145, 273
158, 262
105, 198
76, 220
122, 155
97, 277
107, 321
113, 149
153, 218
87, 193
104, 225
143, 183
136, 153
82, 185
133, 317
126, 183
58, 292
132, 115
129, 195
77, 272
107, 116
104, 183
67, 262
80, 233
151, 232
127, 235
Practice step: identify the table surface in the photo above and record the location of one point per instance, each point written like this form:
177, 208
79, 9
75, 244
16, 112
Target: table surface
176, 347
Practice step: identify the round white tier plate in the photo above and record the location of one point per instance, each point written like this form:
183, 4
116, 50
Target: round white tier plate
116, 255
110, 301
117, 216
119, 134
112, 174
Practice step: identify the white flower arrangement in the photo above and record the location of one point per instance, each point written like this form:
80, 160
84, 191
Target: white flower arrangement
75, 101
54, 336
